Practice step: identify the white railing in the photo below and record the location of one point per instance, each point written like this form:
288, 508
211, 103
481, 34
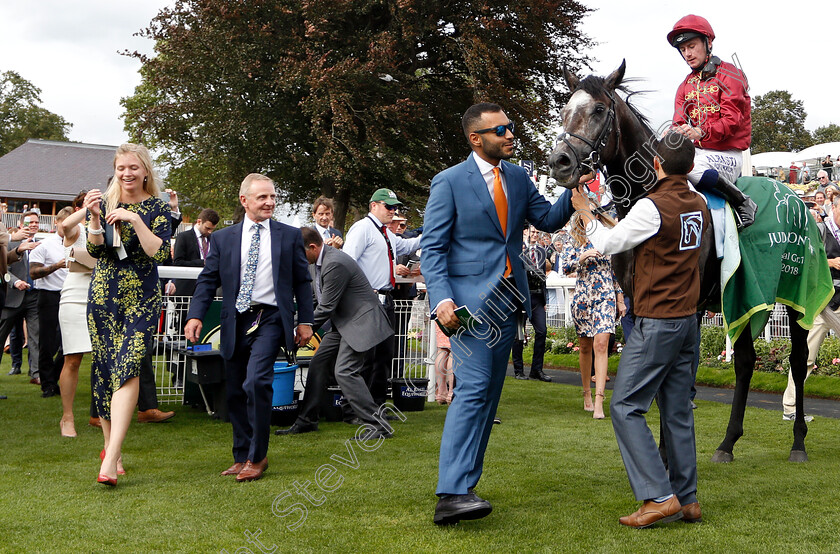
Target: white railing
412, 339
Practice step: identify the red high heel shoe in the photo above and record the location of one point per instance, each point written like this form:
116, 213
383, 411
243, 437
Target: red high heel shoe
105, 480
119, 471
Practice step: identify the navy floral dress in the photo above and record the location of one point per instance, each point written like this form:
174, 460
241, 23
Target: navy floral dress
593, 302
124, 302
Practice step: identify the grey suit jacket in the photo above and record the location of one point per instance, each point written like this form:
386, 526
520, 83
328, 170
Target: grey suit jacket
17, 271
348, 301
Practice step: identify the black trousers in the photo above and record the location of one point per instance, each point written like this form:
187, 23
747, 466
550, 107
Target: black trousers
49, 343
537, 318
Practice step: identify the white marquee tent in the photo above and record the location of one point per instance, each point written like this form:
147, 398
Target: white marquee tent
818, 152
773, 159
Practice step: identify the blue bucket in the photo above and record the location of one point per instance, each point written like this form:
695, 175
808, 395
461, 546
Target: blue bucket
284, 384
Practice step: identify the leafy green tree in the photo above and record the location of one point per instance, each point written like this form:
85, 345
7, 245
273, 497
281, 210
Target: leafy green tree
778, 123
827, 133
341, 97
21, 117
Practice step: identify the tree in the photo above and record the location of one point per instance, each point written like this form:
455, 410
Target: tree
827, 133
778, 123
341, 97
21, 117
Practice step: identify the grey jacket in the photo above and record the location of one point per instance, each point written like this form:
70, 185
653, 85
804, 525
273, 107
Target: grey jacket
349, 302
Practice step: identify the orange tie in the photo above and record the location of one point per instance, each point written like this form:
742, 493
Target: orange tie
500, 200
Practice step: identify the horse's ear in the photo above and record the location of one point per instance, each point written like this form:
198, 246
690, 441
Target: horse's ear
571, 79
614, 79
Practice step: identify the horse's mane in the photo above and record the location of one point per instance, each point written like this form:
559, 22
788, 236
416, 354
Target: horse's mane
594, 86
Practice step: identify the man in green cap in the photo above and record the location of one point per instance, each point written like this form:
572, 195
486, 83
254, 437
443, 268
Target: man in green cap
375, 248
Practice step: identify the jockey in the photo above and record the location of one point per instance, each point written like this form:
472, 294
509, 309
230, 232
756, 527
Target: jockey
712, 108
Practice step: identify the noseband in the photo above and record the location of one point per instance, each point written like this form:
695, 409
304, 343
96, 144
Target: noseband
593, 160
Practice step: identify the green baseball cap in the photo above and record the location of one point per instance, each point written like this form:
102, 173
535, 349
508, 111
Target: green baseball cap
386, 195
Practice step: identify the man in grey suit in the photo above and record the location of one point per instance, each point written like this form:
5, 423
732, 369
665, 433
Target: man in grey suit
359, 323
21, 297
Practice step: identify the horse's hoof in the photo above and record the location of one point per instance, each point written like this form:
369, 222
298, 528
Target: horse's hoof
721, 457
798, 456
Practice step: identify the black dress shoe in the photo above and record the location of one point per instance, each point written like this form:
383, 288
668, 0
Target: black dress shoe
355, 421
15, 371
52, 391
519, 375
297, 429
539, 376
497, 421
452, 508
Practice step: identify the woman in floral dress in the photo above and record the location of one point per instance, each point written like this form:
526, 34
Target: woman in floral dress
124, 299
597, 296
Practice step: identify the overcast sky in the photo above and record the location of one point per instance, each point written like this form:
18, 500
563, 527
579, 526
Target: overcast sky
70, 50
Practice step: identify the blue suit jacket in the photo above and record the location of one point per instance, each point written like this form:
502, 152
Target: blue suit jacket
290, 275
463, 246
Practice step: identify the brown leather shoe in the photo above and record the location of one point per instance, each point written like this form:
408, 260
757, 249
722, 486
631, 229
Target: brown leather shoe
252, 471
95, 422
153, 416
691, 513
654, 512
234, 469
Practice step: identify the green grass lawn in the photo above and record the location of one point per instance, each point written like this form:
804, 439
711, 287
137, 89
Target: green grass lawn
553, 474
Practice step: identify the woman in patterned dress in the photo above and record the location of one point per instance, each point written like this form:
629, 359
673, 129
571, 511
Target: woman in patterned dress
597, 296
124, 300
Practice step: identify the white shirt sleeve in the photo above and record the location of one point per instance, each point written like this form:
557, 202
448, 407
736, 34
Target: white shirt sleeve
355, 242
404, 246
641, 223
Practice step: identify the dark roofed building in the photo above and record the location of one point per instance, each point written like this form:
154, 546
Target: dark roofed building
48, 174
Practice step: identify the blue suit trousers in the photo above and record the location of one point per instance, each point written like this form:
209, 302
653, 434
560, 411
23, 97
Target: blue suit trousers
480, 359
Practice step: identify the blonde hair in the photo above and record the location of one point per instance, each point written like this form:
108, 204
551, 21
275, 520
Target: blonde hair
577, 229
245, 188
64, 213
150, 186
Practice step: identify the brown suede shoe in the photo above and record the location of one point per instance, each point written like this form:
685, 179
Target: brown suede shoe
153, 416
653, 512
95, 422
252, 471
235, 469
691, 513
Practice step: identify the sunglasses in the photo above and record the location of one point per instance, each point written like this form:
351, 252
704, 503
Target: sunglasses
500, 130
402, 225
387, 207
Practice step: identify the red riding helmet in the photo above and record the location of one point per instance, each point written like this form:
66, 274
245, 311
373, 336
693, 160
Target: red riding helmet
689, 27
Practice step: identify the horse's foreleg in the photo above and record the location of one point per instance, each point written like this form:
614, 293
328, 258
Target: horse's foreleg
744, 352
798, 369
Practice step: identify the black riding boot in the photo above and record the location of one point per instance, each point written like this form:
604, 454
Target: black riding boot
742, 205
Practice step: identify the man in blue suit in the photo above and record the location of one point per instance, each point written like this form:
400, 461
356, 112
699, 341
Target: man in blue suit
471, 245
262, 268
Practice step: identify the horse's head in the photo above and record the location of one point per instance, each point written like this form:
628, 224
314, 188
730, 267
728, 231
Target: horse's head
589, 127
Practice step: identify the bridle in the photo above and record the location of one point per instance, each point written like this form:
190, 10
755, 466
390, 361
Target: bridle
593, 160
